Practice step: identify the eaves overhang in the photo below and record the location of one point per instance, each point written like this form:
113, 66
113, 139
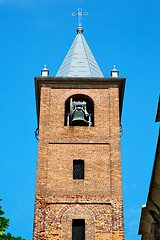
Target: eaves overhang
158, 111
78, 83
151, 212
145, 223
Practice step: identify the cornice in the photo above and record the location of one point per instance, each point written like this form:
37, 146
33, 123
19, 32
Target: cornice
78, 83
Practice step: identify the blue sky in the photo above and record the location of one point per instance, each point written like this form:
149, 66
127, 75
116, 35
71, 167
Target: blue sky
38, 32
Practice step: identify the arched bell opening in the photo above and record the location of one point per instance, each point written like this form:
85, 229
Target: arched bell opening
79, 111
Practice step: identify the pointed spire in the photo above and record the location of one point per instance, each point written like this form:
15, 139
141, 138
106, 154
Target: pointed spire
79, 61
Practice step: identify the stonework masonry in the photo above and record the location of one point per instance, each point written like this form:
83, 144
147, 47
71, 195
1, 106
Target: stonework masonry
98, 197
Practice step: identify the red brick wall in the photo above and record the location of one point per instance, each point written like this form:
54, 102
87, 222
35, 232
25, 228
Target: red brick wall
59, 197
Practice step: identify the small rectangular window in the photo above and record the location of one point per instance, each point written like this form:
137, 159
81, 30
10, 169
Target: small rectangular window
78, 169
78, 229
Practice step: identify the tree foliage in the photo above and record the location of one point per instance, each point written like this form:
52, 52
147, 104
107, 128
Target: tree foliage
4, 223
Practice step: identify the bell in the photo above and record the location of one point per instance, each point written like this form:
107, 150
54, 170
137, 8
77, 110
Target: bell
78, 118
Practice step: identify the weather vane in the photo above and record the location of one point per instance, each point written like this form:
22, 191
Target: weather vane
80, 14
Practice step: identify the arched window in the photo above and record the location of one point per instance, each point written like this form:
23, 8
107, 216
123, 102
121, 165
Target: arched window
79, 111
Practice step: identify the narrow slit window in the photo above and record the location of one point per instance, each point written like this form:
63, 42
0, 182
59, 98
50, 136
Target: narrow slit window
78, 229
78, 169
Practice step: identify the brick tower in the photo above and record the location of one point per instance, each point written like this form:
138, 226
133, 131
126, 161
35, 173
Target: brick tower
79, 183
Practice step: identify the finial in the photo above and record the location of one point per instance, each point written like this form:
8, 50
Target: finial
45, 71
114, 72
80, 30
80, 14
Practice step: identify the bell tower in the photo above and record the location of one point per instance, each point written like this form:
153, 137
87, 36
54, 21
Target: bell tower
79, 183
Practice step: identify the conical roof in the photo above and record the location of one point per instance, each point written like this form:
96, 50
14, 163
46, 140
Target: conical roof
79, 61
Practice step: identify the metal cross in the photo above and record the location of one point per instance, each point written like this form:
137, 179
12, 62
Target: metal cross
80, 14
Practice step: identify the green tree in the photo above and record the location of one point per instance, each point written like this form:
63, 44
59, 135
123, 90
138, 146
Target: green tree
4, 223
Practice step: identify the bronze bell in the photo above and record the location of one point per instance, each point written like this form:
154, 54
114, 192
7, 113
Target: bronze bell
78, 118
